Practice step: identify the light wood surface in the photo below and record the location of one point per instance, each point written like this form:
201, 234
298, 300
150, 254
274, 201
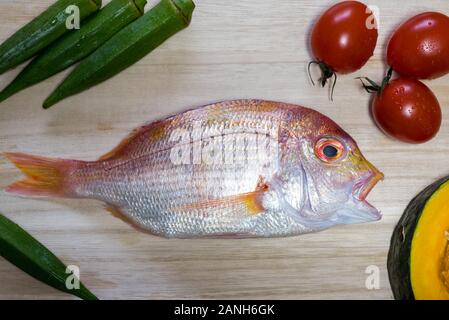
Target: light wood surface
233, 49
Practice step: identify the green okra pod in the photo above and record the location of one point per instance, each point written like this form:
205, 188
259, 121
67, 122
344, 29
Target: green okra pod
42, 31
25, 252
77, 45
128, 46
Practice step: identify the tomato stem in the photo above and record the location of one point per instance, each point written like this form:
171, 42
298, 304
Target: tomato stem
326, 74
387, 78
373, 86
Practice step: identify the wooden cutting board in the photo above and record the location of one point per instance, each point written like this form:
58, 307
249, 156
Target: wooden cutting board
233, 49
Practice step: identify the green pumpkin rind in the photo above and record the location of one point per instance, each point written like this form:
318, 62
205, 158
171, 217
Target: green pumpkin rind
401, 241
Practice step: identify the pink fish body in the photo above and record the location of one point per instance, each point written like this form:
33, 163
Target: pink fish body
243, 168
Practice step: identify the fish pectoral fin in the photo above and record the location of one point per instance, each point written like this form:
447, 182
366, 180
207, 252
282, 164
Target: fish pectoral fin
251, 201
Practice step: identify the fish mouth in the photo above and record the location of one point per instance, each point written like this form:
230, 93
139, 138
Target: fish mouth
365, 185
360, 192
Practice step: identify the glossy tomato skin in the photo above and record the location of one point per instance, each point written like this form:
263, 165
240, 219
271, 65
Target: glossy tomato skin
407, 110
420, 47
345, 36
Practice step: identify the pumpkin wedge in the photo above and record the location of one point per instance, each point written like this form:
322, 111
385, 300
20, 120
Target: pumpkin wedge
418, 260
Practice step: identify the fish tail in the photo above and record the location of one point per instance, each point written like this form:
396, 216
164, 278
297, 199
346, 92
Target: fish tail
45, 177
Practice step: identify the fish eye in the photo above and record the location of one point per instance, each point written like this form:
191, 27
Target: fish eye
329, 150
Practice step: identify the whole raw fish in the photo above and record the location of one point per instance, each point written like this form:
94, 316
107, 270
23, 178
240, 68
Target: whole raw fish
243, 168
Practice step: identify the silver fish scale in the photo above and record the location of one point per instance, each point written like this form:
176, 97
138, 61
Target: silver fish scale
157, 190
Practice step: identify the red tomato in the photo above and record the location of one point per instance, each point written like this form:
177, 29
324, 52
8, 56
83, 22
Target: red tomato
345, 36
407, 110
420, 47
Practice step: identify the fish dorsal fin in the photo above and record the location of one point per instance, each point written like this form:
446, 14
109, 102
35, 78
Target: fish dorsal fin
132, 143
